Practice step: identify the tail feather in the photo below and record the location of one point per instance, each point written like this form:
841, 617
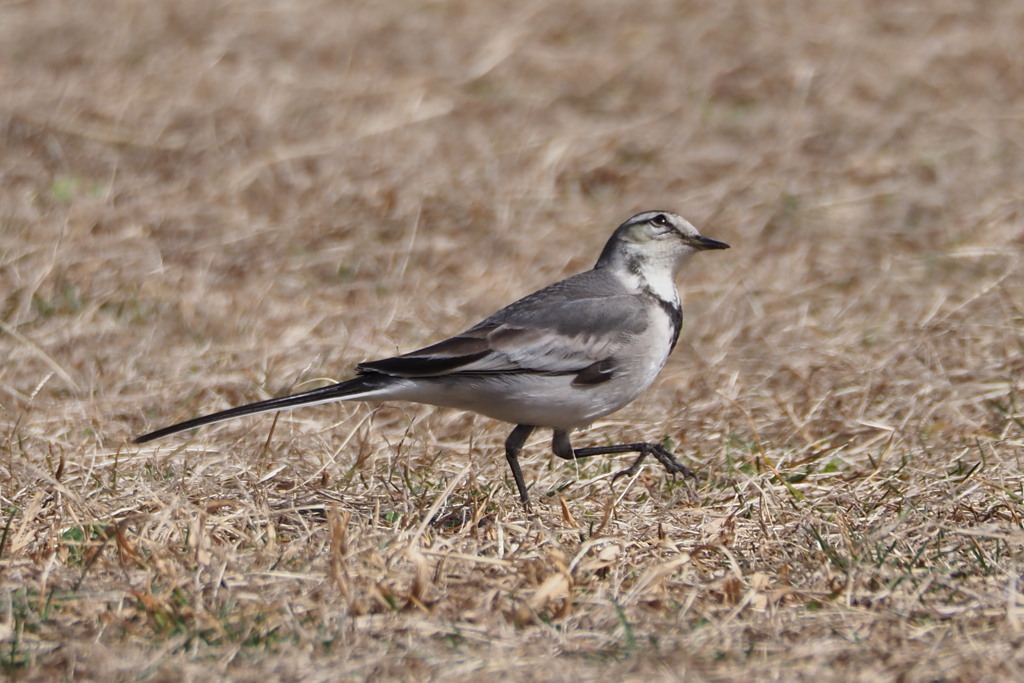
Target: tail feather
364, 387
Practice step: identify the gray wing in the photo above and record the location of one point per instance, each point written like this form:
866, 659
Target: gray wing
575, 326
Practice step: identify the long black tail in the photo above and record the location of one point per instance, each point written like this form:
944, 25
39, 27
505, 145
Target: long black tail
363, 387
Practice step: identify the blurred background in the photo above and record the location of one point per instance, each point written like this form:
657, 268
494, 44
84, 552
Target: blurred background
322, 182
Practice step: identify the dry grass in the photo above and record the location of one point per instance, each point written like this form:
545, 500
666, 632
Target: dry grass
204, 203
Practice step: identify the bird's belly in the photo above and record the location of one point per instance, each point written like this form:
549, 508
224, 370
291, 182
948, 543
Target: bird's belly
539, 400
547, 400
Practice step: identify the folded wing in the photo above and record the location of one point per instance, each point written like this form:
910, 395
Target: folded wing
571, 329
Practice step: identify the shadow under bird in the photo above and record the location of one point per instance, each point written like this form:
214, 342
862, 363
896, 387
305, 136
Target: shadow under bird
559, 358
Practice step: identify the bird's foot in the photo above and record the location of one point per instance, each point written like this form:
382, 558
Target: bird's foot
664, 456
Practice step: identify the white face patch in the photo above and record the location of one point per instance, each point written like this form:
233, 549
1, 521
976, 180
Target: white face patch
651, 266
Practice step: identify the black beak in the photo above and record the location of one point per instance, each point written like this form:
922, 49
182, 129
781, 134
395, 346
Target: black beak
701, 242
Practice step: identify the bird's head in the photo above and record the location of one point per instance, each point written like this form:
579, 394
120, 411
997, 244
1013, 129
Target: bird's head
656, 240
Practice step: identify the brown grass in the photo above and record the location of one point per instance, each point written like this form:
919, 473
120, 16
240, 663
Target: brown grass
206, 203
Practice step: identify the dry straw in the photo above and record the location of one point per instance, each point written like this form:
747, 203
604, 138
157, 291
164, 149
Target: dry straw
209, 203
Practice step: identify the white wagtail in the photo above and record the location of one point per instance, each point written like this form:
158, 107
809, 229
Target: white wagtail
561, 357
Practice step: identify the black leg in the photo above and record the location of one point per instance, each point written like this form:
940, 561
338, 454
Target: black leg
513, 444
562, 447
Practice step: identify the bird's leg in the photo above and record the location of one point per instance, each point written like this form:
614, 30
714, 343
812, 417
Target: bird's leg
513, 444
562, 447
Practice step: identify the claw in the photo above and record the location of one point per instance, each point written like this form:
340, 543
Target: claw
667, 459
673, 466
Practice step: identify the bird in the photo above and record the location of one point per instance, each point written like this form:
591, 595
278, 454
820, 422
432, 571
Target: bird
559, 358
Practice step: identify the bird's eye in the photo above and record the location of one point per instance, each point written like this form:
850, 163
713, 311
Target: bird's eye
661, 219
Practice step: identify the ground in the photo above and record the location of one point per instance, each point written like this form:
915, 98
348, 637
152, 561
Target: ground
209, 203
